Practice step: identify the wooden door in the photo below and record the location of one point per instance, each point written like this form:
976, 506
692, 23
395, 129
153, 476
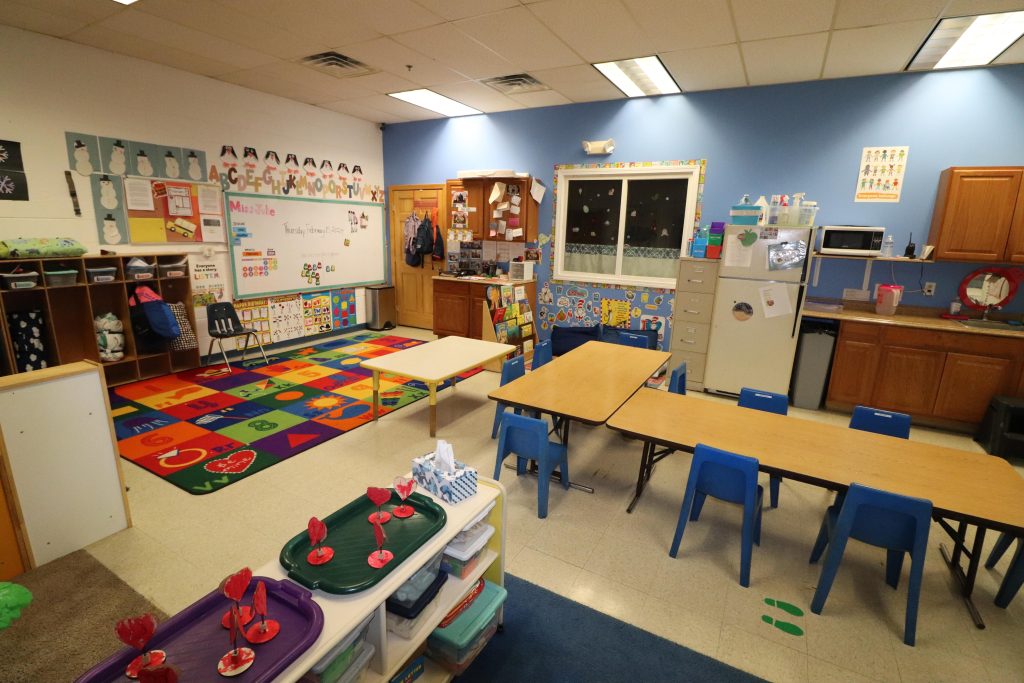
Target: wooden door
968, 384
908, 379
12, 559
414, 293
1015, 243
973, 213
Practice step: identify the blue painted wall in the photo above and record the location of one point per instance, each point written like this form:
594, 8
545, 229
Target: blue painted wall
804, 137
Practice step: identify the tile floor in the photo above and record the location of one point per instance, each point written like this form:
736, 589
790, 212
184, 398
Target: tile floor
591, 550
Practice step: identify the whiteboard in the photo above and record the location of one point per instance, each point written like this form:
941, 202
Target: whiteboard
281, 245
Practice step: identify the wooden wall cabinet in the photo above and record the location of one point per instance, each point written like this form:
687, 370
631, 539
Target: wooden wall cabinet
943, 378
457, 305
478, 191
979, 215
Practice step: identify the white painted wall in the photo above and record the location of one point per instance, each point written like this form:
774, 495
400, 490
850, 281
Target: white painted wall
49, 86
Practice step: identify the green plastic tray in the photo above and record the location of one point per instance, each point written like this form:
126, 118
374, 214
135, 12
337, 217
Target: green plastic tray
351, 536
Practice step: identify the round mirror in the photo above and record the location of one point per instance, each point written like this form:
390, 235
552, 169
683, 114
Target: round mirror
988, 287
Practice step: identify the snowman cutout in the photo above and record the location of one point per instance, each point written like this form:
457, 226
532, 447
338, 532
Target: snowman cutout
111, 235
228, 158
144, 165
108, 195
118, 162
194, 172
171, 167
82, 162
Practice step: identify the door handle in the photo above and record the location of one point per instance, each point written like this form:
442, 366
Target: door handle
687, 310
695, 281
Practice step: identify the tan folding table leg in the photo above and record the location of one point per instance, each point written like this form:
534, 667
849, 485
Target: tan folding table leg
376, 392
433, 407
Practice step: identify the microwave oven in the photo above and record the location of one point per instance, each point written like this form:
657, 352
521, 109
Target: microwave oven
851, 240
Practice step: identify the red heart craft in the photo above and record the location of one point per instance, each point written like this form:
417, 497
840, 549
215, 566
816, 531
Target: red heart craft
379, 535
234, 586
404, 486
317, 531
378, 496
136, 631
236, 463
259, 599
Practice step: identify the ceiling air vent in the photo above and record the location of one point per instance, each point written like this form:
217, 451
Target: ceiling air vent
337, 65
516, 84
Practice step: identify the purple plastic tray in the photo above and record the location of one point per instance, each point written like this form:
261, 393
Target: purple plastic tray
195, 640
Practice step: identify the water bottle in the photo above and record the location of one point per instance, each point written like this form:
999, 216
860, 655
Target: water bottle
888, 247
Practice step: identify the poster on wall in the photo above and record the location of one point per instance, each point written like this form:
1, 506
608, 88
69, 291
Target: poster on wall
286, 320
254, 314
343, 308
13, 183
108, 203
316, 314
880, 177
207, 284
162, 211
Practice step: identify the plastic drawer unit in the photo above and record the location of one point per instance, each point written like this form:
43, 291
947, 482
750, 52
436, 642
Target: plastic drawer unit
333, 666
463, 553
410, 591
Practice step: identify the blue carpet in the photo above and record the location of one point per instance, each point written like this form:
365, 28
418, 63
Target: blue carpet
550, 638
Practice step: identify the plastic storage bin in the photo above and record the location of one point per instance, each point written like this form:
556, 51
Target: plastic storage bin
460, 558
179, 269
336, 663
410, 591
413, 609
455, 646
60, 278
103, 274
360, 664
20, 280
140, 270
404, 628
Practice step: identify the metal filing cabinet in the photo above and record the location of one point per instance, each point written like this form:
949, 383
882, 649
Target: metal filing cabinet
691, 317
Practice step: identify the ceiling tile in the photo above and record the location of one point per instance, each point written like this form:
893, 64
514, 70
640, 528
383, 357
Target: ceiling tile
352, 108
1013, 55
326, 22
39, 20
391, 56
784, 60
380, 83
460, 9
390, 105
236, 26
706, 68
669, 24
962, 8
391, 16
86, 10
135, 46
520, 37
875, 50
773, 18
167, 33
478, 96
581, 83
457, 51
544, 98
854, 13
259, 79
598, 30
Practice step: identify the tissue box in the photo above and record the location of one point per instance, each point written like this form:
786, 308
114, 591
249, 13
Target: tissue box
449, 487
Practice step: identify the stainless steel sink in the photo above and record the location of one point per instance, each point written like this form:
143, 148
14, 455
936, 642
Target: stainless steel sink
993, 325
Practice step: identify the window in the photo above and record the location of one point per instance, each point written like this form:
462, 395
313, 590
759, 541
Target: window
625, 226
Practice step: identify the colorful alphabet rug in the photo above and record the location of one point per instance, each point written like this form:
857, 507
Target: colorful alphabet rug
205, 429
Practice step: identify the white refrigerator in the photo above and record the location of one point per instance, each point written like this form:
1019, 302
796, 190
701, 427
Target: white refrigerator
755, 323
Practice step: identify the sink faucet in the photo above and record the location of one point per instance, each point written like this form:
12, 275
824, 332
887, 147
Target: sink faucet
989, 309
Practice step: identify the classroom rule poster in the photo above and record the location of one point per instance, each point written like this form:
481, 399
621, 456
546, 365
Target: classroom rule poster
880, 177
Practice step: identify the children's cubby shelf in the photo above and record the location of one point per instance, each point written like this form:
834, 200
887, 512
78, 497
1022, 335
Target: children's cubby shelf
344, 614
101, 284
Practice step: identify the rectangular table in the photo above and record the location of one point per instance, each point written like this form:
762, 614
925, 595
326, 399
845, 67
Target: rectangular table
588, 384
433, 363
971, 488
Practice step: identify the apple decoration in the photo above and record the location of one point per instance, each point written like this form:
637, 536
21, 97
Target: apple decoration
267, 629
378, 497
135, 632
233, 588
320, 554
404, 487
747, 237
238, 659
379, 557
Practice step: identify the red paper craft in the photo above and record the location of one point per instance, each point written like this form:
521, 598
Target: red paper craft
379, 557
158, 674
378, 497
233, 588
267, 628
404, 487
317, 533
238, 659
136, 632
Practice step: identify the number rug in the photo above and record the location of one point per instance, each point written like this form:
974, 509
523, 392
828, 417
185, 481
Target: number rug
205, 429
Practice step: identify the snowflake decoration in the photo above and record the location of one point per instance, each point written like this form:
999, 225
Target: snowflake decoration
4, 155
6, 185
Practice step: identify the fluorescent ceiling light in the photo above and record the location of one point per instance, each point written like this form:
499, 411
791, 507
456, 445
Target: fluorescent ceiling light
126, 2
969, 41
428, 99
639, 77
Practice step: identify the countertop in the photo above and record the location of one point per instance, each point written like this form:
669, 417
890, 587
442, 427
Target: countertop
913, 318
482, 280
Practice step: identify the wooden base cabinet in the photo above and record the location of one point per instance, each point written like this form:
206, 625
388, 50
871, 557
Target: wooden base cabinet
939, 378
457, 305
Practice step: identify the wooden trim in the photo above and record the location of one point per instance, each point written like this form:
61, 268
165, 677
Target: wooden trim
24, 379
430, 186
14, 506
113, 442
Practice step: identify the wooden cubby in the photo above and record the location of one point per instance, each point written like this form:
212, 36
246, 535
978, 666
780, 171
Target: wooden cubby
69, 310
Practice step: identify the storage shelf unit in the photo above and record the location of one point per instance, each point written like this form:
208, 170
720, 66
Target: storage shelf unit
68, 311
344, 613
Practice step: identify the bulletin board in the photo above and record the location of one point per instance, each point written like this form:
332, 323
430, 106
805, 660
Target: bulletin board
281, 245
177, 211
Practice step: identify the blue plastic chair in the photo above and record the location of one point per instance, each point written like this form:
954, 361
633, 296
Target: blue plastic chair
769, 402
637, 340
511, 369
527, 439
880, 422
677, 382
1014, 578
729, 477
900, 524
541, 354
